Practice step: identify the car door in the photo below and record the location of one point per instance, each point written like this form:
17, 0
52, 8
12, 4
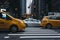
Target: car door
58, 21
4, 21
36, 22
1, 21
30, 22
53, 21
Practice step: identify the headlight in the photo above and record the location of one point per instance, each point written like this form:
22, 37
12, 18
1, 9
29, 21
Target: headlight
25, 21
22, 22
39, 22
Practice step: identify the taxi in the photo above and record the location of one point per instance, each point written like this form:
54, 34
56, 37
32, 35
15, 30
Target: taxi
50, 22
7, 22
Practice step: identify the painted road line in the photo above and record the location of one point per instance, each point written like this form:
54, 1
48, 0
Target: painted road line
23, 37
37, 34
6, 37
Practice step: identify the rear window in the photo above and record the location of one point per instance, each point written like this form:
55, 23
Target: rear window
58, 18
55, 17
52, 17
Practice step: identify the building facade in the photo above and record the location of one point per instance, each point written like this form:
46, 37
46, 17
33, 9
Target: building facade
39, 8
20, 6
16, 7
42, 7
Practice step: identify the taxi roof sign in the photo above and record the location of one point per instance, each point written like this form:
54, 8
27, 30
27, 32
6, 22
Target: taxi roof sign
3, 10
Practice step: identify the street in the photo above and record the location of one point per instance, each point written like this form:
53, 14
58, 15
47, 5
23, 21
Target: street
30, 15
31, 33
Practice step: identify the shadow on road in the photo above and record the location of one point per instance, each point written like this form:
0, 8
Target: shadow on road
6, 32
56, 29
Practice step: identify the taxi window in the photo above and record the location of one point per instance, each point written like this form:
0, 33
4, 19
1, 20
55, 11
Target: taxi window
3, 16
58, 18
52, 17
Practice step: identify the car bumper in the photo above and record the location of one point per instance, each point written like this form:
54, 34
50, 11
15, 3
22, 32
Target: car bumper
31, 24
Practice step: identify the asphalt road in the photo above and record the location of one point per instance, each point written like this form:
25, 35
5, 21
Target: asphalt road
32, 33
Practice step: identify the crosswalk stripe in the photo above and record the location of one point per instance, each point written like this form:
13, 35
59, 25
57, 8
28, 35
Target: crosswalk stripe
39, 37
6, 37
37, 34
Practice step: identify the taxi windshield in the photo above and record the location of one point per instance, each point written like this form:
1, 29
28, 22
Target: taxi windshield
12, 15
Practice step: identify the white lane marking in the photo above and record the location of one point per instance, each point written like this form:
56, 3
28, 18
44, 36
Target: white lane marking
39, 37
6, 37
37, 34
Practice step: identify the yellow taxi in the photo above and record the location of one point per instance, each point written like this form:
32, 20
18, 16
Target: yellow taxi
7, 22
50, 22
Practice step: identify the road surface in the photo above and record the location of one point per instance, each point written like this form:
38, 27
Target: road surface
32, 33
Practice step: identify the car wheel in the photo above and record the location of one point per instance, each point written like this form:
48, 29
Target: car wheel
48, 26
26, 25
13, 29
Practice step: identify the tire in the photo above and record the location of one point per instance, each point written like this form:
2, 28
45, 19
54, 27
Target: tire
13, 29
26, 25
48, 26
